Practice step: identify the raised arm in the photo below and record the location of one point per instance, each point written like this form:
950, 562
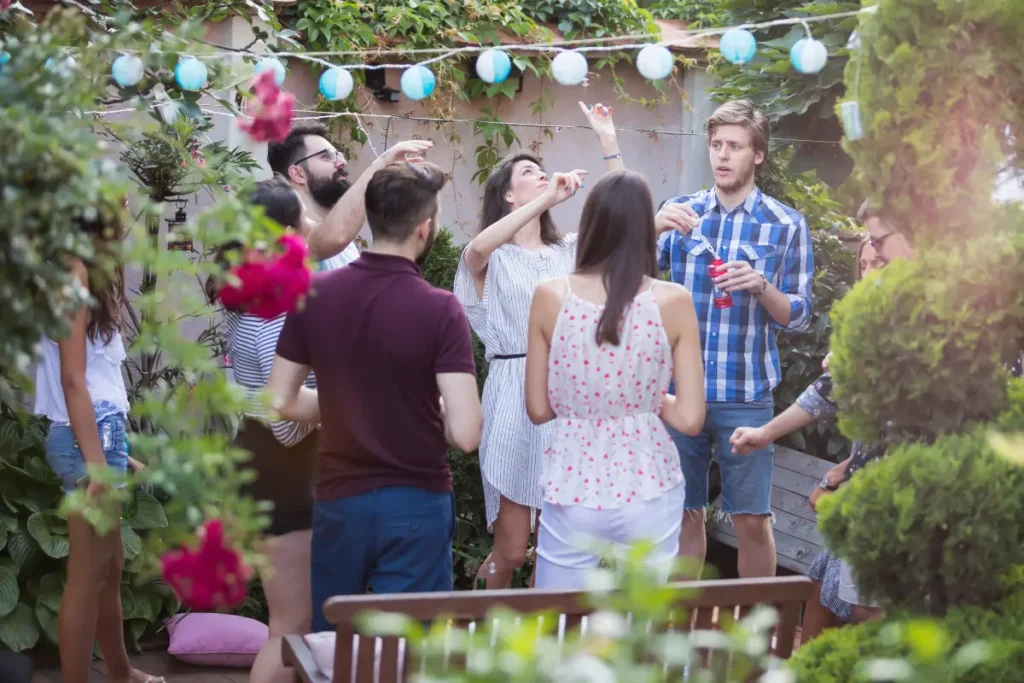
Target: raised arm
684, 411
543, 313
561, 186
600, 119
343, 223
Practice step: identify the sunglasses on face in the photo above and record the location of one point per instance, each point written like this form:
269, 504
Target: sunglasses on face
331, 156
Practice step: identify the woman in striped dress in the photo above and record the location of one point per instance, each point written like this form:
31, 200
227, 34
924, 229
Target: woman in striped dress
518, 246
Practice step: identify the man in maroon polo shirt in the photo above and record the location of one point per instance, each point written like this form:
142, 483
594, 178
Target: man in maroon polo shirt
386, 347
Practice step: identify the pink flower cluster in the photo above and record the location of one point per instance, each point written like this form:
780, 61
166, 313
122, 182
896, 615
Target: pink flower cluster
272, 118
211, 577
270, 285
5, 4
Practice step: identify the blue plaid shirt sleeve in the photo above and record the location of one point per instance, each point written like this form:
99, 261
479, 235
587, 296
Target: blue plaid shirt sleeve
664, 252
797, 277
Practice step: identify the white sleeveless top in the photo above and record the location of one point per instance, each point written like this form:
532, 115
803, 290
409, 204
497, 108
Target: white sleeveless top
102, 378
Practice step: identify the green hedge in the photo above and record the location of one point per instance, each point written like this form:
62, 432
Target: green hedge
837, 655
919, 347
931, 526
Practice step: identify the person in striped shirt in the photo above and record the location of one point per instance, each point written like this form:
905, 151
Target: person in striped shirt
768, 268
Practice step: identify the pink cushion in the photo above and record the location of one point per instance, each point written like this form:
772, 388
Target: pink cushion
210, 639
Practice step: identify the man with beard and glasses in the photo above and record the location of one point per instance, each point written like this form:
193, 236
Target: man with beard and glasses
397, 385
768, 270
319, 173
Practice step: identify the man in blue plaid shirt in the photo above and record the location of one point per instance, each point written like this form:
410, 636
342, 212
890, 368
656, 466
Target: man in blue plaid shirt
769, 266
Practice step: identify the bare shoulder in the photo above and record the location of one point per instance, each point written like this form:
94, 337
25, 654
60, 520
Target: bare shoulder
552, 289
668, 294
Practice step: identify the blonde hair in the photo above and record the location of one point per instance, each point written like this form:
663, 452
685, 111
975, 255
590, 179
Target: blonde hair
741, 113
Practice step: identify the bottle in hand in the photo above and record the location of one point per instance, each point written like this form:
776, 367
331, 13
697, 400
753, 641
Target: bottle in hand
720, 299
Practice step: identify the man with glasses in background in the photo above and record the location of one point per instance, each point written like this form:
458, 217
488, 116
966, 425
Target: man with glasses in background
319, 173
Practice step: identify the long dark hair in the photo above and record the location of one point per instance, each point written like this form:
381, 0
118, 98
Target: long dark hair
617, 240
105, 275
495, 206
280, 203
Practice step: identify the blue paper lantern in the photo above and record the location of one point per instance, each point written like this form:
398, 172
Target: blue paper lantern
738, 46
4, 58
62, 66
569, 67
272, 64
493, 66
336, 83
190, 74
417, 82
808, 56
654, 62
127, 70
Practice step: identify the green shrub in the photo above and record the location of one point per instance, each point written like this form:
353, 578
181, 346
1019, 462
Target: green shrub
838, 655
34, 543
918, 348
931, 526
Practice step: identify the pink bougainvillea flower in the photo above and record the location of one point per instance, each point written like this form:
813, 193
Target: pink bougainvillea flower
5, 4
211, 577
272, 117
270, 286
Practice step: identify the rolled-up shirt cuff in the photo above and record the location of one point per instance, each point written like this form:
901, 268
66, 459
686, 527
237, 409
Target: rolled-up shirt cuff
816, 405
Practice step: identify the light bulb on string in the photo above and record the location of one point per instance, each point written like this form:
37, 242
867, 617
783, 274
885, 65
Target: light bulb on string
418, 82
493, 66
654, 62
5, 57
127, 70
569, 67
738, 46
190, 74
271, 64
336, 83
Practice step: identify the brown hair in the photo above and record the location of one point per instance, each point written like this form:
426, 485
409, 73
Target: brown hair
495, 206
741, 113
859, 272
617, 240
401, 196
106, 284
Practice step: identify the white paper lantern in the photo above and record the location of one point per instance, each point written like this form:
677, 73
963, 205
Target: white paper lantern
808, 56
336, 83
654, 62
190, 74
493, 66
127, 70
418, 82
272, 64
738, 45
569, 67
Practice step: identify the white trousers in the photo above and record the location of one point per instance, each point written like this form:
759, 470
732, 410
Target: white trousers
563, 557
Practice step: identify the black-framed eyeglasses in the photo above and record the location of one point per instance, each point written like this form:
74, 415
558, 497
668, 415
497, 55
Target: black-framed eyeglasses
876, 242
331, 156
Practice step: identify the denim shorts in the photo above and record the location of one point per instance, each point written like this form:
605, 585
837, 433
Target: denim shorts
746, 479
65, 457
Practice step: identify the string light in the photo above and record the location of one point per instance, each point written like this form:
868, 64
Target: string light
569, 67
272, 64
493, 66
127, 70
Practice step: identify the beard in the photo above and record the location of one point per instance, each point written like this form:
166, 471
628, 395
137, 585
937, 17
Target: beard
326, 191
428, 245
741, 180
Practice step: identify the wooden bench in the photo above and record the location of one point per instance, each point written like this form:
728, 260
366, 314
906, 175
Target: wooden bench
797, 540
339, 658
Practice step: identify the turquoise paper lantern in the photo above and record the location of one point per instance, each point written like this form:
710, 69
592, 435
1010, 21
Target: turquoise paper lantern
654, 62
493, 66
418, 82
190, 74
127, 70
569, 67
62, 66
4, 58
808, 56
336, 83
738, 46
272, 64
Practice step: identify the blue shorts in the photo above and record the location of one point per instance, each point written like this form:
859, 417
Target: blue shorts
395, 539
746, 479
65, 457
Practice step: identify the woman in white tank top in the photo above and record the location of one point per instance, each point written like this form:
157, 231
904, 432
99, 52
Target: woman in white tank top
603, 345
80, 389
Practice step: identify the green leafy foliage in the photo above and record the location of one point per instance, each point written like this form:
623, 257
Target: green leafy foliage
951, 518
943, 324
591, 18
968, 644
930, 153
32, 558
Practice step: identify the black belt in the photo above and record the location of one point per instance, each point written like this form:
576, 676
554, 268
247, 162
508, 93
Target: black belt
510, 356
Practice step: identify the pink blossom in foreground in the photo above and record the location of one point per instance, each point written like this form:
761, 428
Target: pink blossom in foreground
272, 116
211, 577
270, 286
